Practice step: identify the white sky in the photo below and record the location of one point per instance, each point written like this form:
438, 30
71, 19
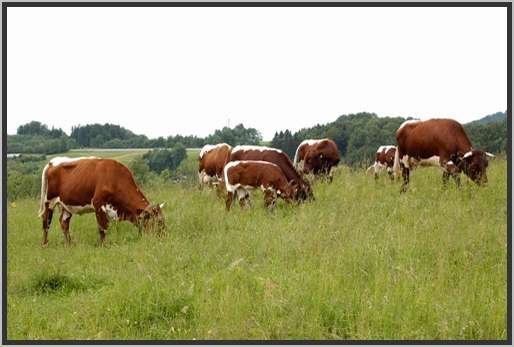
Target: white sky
166, 71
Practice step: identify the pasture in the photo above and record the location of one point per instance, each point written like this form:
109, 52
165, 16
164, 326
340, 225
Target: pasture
360, 262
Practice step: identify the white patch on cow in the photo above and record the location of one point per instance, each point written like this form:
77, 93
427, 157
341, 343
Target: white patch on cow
379, 166
206, 179
254, 148
62, 160
411, 121
432, 161
311, 142
405, 161
65, 215
467, 154
411, 163
72, 209
230, 187
110, 211
385, 148
208, 148
242, 192
449, 162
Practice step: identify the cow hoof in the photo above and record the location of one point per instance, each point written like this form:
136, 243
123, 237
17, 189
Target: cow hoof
44, 244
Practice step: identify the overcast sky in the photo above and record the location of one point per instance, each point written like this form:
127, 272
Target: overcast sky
167, 71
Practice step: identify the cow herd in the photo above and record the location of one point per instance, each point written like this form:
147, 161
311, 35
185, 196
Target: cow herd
107, 188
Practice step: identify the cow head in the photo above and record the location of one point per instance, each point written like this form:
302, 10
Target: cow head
152, 217
312, 162
290, 191
474, 164
303, 191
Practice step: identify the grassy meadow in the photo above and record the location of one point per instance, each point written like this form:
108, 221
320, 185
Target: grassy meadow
360, 262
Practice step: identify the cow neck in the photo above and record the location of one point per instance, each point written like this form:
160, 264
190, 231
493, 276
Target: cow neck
135, 205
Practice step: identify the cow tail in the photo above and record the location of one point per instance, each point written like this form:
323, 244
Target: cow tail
396, 165
44, 189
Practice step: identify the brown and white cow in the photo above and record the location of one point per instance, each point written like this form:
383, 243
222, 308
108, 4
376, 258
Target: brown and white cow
211, 160
384, 159
442, 143
317, 156
242, 175
103, 186
279, 158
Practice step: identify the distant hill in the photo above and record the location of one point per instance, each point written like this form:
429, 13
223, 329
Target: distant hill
492, 118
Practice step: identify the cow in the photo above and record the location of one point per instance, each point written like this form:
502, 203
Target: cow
384, 159
442, 143
277, 157
211, 160
242, 175
91, 184
318, 157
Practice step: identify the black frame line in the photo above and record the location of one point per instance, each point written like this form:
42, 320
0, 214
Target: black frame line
507, 5
256, 4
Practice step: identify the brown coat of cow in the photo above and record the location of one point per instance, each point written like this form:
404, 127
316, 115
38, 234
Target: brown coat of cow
103, 186
239, 176
278, 158
211, 160
318, 156
439, 142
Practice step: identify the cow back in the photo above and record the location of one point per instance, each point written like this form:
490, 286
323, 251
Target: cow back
434, 137
78, 182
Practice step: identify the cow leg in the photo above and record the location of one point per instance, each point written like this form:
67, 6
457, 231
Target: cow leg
102, 221
456, 177
376, 170
228, 201
331, 174
390, 173
405, 175
65, 226
200, 180
47, 219
269, 199
446, 177
244, 197
220, 191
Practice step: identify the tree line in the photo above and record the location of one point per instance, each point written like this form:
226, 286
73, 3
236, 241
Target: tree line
35, 137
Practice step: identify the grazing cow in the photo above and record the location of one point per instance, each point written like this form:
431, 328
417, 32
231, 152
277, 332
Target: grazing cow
442, 143
103, 186
317, 156
277, 157
384, 159
240, 176
211, 161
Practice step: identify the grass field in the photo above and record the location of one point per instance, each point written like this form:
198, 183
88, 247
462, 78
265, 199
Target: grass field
360, 262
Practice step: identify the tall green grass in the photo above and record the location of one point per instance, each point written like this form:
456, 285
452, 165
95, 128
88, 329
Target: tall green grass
360, 262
